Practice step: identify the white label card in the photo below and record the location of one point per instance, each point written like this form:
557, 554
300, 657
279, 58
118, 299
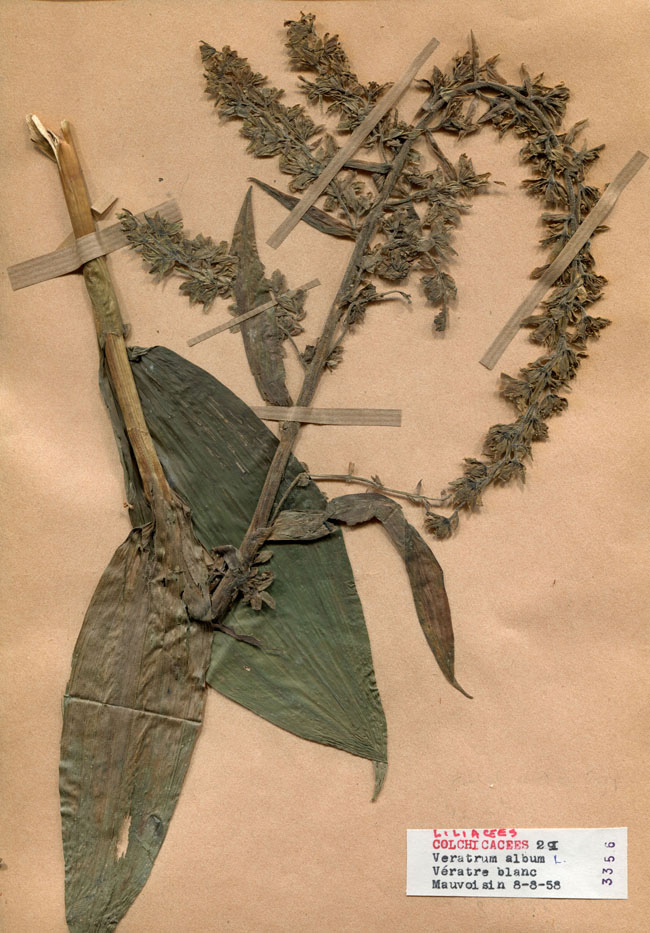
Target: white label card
580, 863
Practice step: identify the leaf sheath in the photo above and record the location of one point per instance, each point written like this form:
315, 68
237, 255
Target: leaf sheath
134, 701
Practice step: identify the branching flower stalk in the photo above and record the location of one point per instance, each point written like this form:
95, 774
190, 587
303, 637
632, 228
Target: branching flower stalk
533, 111
258, 530
416, 497
459, 102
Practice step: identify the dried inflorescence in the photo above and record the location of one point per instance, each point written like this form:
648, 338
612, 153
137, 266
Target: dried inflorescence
407, 241
336, 85
207, 268
533, 111
273, 129
424, 207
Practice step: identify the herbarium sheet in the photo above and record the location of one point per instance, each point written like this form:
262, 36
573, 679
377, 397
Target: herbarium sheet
546, 579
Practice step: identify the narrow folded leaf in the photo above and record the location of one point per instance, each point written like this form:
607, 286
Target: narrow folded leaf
315, 217
314, 675
424, 572
132, 712
262, 337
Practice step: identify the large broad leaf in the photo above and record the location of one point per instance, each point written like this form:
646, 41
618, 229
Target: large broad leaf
314, 675
132, 712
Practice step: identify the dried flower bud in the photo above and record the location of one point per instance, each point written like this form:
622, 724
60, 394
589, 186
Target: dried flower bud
439, 525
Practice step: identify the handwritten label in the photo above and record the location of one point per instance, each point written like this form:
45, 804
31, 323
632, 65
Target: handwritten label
573, 863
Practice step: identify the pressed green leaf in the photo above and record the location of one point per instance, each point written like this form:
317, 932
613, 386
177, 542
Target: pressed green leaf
314, 675
424, 571
315, 217
132, 712
262, 337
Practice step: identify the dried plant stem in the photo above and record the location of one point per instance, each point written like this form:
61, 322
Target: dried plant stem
257, 530
447, 167
512, 92
108, 320
296, 481
574, 206
350, 478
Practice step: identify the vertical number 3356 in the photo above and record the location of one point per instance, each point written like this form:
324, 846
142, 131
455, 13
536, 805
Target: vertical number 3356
608, 871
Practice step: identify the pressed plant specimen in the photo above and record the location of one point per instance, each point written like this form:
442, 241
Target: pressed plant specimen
236, 572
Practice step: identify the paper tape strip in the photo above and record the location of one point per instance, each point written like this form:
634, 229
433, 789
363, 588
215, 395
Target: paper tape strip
99, 207
596, 216
378, 417
244, 317
336, 164
88, 247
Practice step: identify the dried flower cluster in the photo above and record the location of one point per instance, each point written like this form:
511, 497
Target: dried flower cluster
533, 111
407, 241
207, 268
418, 217
273, 129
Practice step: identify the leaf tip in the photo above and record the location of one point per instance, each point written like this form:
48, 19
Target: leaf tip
380, 776
454, 683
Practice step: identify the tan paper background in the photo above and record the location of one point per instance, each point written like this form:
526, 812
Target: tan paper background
548, 585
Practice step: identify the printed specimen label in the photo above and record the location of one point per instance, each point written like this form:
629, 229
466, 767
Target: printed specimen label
573, 863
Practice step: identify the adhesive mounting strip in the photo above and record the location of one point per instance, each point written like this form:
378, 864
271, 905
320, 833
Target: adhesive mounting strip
247, 314
336, 164
61, 261
378, 417
596, 216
